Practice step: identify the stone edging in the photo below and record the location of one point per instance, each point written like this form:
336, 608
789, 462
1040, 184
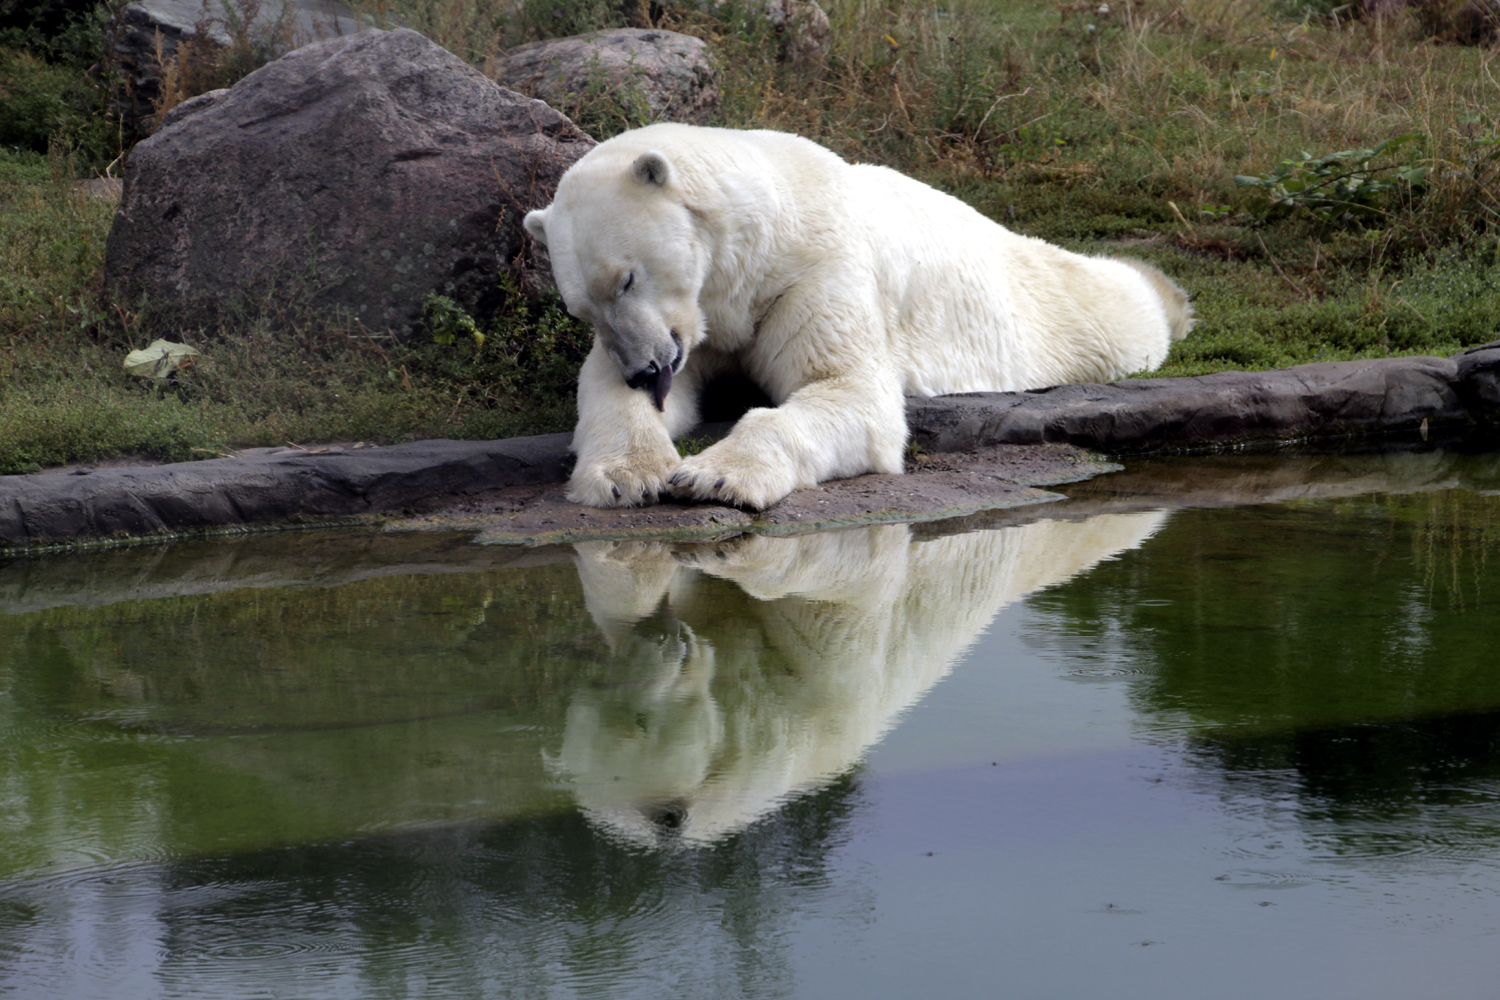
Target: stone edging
1226, 410
263, 487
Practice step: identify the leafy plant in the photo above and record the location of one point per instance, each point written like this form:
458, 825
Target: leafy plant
559, 18
1340, 187
525, 358
1477, 174
447, 320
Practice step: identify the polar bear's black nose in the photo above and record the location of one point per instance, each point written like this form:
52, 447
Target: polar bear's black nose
656, 380
656, 377
668, 816
644, 377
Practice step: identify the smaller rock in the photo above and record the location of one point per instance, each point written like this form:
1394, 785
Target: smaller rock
643, 75
278, 26
803, 28
107, 188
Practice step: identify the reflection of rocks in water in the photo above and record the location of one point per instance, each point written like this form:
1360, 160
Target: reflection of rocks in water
749, 671
1217, 480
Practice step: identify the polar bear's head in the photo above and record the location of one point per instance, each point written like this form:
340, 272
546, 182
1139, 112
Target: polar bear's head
629, 257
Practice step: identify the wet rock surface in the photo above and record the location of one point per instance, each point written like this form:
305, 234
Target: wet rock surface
979, 452
1477, 379
353, 177
511, 491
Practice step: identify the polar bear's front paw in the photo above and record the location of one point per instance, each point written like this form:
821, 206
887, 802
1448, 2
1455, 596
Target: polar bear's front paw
640, 481
726, 475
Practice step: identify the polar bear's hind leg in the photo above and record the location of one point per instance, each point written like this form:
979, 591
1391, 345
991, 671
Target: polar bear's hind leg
1174, 300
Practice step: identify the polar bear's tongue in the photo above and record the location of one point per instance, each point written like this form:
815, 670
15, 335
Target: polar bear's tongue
660, 386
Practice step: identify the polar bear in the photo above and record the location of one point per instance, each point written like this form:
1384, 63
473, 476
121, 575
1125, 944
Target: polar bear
836, 288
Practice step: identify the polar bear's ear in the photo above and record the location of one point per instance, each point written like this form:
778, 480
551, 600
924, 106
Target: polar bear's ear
536, 225
651, 168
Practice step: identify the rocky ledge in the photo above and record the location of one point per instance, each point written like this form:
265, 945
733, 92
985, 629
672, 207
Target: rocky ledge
1419, 396
977, 451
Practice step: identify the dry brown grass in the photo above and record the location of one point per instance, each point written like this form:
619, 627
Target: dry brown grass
1195, 89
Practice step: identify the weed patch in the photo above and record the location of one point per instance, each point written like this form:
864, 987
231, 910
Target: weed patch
1341, 187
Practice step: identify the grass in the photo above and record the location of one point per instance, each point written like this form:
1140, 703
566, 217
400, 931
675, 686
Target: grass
1118, 133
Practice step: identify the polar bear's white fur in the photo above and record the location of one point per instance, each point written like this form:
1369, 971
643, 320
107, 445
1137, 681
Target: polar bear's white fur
728, 700
835, 287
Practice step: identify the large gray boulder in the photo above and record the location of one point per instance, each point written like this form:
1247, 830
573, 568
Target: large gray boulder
143, 35
353, 176
646, 75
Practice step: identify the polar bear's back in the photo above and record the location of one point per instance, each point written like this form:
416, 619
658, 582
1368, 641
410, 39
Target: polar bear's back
976, 307
967, 305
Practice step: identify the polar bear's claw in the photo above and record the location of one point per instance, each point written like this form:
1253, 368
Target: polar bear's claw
726, 474
615, 486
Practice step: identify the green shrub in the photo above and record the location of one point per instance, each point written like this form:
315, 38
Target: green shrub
65, 32
523, 361
1341, 187
50, 89
42, 103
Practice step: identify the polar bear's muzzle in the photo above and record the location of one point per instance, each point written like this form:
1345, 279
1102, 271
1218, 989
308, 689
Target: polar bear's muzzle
656, 378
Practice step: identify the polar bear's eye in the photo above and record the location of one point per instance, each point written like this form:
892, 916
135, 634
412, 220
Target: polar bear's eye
629, 280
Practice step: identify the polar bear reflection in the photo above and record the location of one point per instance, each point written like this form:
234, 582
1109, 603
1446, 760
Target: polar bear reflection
749, 671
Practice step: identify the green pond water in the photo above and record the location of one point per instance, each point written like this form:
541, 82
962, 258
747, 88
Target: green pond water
1220, 728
